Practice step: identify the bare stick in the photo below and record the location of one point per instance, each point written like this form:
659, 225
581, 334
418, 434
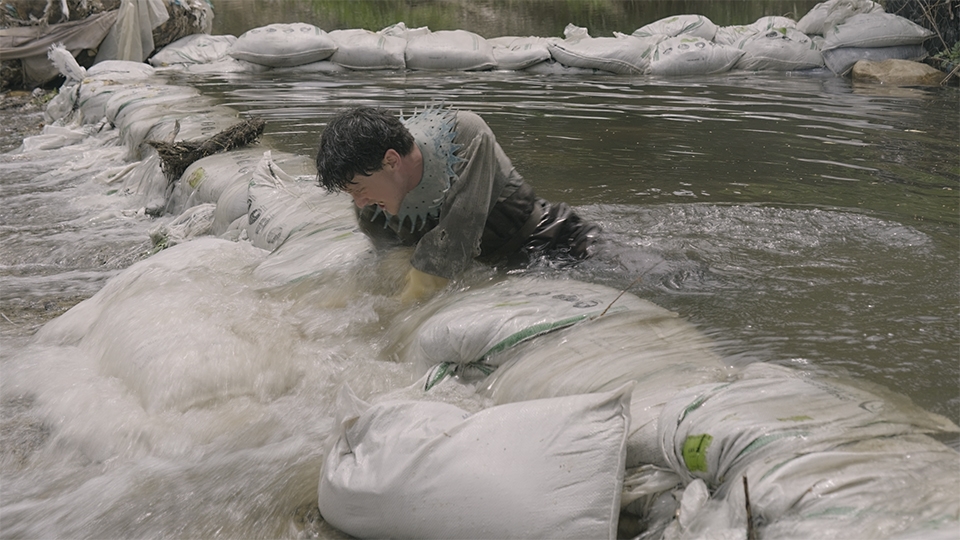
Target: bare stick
751, 532
634, 282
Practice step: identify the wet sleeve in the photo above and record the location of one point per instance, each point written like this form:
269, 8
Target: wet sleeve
446, 250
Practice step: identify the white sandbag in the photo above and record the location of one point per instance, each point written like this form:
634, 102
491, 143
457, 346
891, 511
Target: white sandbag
193, 49
548, 468
619, 54
52, 137
283, 45
841, 61
773, 21
279, 205
192, 124
96, 93
363, 49
130, 97
479, 324
553, 68
400, 30
323, 66
336, 244
691, 25
231, 206
825, 15
779, 49
901, 487
226, 65
731, 35
715, 431
193, 222
819, 456
516, 53
146, 185
172, 121
688, 55
875, 30
121, 70
175, 350
206, 179
449, 50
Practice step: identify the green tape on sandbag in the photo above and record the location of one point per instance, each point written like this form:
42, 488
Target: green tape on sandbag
695, 452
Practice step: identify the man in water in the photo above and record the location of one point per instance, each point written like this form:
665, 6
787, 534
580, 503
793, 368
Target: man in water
439, 180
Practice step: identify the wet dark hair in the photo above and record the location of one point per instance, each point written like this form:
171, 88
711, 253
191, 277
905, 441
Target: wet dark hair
355, 142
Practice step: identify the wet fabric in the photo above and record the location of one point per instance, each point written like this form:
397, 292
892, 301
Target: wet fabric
487, 212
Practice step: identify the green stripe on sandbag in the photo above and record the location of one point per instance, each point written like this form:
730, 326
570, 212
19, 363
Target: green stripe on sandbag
539, 330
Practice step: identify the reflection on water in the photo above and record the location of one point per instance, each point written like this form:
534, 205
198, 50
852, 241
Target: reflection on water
793, 218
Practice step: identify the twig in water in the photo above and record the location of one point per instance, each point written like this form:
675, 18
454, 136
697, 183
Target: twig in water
634, 282
751, 532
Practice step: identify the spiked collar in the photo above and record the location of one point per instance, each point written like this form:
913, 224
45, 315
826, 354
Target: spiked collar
433, 131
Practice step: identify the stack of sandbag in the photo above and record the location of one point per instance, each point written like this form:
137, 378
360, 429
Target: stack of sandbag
778, 49
545, 338
822, 458
854, 30
518, 52
619, 54
835, 32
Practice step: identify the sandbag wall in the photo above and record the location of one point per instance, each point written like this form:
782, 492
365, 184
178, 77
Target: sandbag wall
835, 34
685, 450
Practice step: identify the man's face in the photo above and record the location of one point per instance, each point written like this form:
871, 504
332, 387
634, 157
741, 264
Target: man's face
381, 188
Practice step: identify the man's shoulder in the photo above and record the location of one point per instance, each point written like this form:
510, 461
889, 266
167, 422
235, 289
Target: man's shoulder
469, 124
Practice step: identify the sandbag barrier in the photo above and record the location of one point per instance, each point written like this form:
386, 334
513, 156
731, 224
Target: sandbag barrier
818, 455
834, 34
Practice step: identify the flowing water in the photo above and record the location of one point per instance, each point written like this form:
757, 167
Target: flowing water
797, 219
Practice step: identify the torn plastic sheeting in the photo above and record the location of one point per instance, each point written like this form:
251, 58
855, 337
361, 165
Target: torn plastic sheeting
30, 43
131, 37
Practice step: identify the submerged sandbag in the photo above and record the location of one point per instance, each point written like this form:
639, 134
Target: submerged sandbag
779, 49
449, 50
231, 207
515, 53
283, 45
691, 25
362, 49
841, 61
549, 468
619, 54
206, 179
193, 49
689, 55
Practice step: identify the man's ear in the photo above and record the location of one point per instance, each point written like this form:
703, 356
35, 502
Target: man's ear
391, 159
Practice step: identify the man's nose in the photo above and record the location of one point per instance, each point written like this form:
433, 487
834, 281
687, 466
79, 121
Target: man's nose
360, 201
